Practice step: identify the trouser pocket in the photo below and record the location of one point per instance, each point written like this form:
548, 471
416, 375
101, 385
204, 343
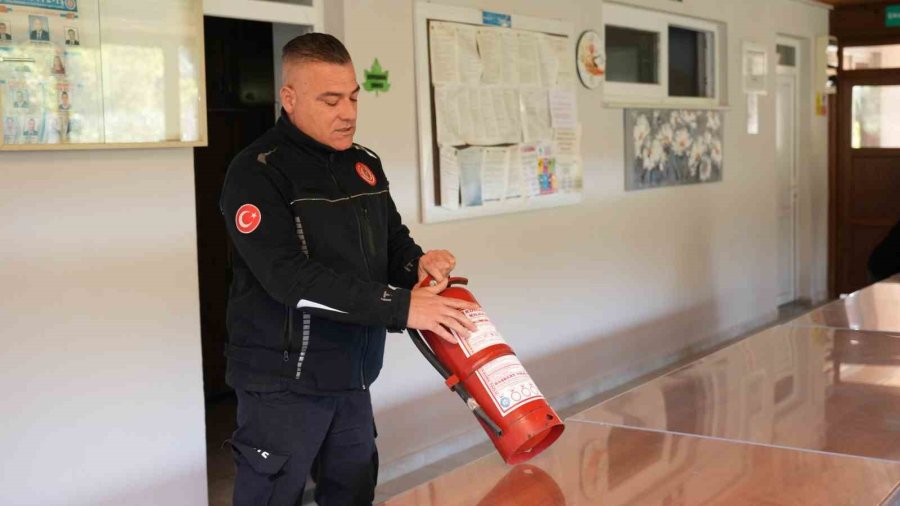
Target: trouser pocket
257, 471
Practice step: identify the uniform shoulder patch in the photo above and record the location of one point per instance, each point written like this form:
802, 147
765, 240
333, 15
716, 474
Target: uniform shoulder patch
366, 174
247, 218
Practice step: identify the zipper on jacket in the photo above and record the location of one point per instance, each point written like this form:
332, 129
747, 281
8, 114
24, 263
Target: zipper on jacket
362, 363
288, 329
368, 227
359, 226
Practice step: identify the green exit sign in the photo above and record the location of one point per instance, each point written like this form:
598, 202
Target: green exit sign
892, 15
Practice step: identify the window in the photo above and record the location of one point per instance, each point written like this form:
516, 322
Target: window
631, 55
659, 58
875, 117
872, 57
787, 55
689, 62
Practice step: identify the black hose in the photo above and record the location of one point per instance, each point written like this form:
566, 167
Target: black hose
459, 388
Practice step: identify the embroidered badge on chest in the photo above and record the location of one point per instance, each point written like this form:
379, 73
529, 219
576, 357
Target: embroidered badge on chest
247, 218
365, 173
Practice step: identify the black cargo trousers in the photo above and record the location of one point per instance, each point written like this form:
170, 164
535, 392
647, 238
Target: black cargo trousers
284, 437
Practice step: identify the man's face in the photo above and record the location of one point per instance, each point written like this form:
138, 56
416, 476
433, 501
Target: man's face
320, 100
71, 34
20, 97
65, 98
31, 123
38, 25
2, 29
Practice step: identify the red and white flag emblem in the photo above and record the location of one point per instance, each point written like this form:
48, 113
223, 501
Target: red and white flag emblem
247, 218
365, 173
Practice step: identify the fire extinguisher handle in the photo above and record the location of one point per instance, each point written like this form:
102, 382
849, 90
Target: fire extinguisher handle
430, 281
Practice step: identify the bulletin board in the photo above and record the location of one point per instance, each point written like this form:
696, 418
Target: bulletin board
97, 74
498, 125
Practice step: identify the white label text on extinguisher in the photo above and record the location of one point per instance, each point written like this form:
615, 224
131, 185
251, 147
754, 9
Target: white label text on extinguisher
485, 336
508, 383
504, 378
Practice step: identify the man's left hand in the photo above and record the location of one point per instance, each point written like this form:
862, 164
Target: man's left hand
437, 264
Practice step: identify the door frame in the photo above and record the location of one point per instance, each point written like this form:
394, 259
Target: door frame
794, 72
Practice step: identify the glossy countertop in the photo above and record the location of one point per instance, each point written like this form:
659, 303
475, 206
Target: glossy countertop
875, 308
597, 464
812, 388
802, 413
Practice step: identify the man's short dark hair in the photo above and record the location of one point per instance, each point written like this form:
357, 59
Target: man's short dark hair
315, 47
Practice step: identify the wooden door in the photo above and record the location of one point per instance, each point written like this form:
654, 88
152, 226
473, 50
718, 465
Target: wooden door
867, 182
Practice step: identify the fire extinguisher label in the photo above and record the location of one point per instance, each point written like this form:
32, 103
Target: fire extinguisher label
485, 336
504, 378
508, 383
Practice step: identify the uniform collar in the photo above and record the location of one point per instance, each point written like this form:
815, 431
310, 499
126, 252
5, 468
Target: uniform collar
298, 137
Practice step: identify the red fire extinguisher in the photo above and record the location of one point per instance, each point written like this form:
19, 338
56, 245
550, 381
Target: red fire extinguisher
489, 378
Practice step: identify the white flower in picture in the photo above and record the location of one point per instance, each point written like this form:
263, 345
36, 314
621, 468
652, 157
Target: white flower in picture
682, 141
666, 135
697, 151
641, 131
715, 151
657, 154
689, 118
712, 122
705, 169
646, 162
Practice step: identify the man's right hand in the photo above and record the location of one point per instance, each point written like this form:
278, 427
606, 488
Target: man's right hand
429, 311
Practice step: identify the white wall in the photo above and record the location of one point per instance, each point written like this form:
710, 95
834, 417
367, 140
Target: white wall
593, 295
99, 323
101, 363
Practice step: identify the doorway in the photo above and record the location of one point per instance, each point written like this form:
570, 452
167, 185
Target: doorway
867, 179
786, 167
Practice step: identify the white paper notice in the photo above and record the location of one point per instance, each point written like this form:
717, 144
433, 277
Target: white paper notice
567, 142
529, 59
470, 66
494, 173
752, 113
528, 156
514, 174
510, 59
536, 116
449, 178
444, 53
446, 107
470, 162
514, 113
491, 49
568, 173
563, 113
485, 336
549, 61
565, 68
489, 117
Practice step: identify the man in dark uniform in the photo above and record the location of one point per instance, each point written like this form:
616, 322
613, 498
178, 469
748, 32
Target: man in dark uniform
323, 266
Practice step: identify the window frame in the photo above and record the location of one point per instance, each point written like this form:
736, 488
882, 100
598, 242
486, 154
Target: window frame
643, 94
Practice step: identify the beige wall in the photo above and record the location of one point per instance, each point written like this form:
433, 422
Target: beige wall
593, 295
99, 323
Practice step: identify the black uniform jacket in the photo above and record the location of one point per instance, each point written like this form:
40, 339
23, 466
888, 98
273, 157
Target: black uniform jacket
322, 265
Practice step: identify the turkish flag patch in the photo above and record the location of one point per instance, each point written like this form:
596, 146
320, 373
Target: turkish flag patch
365, 173
247, 218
